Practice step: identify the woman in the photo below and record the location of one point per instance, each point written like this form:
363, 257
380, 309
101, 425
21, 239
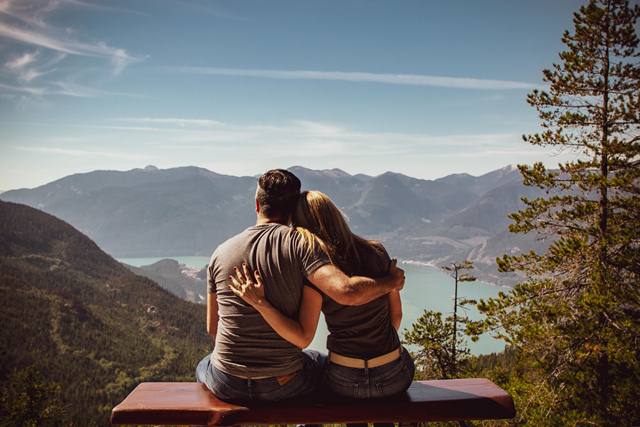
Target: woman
366, 359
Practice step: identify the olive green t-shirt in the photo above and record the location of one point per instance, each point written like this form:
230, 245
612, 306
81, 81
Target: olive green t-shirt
246, 345
363, 331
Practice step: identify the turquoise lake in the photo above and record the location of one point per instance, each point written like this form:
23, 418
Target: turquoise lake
426, 288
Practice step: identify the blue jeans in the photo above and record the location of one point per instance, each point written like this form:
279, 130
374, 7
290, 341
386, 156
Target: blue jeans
381, 381
235, 389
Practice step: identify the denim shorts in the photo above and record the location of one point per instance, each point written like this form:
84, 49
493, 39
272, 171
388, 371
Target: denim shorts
235, 389
382, 381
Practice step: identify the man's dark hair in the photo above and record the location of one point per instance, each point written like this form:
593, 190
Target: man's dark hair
278, 193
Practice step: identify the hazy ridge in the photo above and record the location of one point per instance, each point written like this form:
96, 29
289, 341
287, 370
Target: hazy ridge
190, 210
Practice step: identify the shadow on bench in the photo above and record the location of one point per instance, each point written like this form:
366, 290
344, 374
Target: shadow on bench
192, 403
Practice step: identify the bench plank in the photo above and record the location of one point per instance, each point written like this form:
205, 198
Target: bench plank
194, 404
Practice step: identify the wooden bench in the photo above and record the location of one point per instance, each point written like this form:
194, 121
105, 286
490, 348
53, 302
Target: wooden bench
194, 404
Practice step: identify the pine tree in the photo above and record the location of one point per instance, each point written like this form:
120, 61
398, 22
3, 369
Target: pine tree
441, 345
575, 321
457, 269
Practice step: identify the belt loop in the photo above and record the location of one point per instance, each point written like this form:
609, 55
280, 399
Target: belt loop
368, 379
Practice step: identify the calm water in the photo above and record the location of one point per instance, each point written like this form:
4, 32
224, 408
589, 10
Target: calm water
426, 288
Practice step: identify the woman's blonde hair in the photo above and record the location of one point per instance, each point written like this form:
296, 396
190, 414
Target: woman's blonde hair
320, 222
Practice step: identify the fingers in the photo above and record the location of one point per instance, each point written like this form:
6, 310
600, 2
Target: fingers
236, 286
256, 274
246, 285
241, 278
245, 269
398, 273
401, 276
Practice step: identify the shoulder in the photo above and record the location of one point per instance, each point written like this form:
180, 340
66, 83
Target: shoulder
374, 249
380, 250
230, 245
374, 257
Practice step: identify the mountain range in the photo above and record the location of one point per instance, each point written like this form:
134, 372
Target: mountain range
182, 281
151, 212
79, 330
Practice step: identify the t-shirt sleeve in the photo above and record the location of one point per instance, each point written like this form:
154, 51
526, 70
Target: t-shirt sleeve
310, 258
211, 275
312, 286
385, 259
211, 284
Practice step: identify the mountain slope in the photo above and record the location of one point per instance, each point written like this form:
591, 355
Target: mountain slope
79, 329
148, 211
182, 281
189, 211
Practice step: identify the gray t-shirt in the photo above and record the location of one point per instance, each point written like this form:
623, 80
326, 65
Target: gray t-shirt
246, 345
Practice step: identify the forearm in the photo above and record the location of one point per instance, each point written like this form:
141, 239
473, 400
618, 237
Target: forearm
212, 325
395, 309
395, 322
356, 290
361, 290
287, 328
212, 317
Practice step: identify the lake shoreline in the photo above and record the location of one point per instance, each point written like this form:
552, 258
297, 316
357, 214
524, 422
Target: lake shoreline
427, 287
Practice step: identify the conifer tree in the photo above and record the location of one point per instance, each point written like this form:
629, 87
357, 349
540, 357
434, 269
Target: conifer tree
457, 270
442, 348
575, 320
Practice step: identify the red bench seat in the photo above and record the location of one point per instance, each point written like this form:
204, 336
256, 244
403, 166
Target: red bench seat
194, 404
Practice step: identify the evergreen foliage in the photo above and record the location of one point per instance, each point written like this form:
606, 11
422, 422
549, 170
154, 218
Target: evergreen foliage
439, 340
575, 321
79, 330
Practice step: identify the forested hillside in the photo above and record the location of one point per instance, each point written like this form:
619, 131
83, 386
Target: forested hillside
79, 330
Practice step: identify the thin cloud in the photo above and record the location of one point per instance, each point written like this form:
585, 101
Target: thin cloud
323, 137
21, 61
21, 67
34, 12
172, 121
62, 89
80, 91
118, 57
103, 7
363, 77
78, 153
207, 9
31, 74
24, 21
37, 91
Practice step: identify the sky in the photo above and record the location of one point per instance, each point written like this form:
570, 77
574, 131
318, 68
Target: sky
424, 88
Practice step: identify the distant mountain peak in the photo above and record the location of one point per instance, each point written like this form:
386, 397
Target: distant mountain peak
334, 172
151, 168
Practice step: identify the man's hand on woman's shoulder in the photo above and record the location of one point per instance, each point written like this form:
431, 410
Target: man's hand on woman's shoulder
396, 275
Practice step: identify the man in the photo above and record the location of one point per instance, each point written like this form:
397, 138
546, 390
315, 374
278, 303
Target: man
250, 361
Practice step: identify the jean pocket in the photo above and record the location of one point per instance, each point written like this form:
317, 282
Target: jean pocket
395, 379
379, 389
340, 375
221, 385
390, 371
343, 381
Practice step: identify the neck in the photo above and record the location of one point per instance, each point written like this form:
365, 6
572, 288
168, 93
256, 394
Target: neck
261, 219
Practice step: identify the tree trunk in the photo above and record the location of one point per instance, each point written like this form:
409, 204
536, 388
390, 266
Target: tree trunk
604, 155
